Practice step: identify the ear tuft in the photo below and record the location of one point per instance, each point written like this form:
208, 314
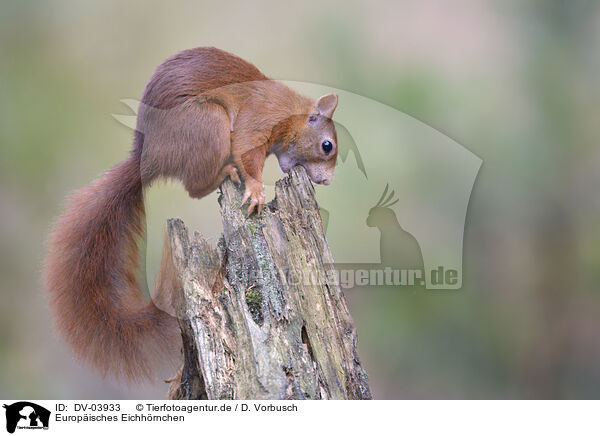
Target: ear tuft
326, 104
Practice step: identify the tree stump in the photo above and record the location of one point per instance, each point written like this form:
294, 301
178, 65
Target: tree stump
262, 314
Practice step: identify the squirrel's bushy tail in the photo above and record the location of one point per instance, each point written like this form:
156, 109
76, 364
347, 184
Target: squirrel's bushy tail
91, 275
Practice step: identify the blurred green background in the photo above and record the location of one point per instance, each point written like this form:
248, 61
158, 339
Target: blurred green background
515, 82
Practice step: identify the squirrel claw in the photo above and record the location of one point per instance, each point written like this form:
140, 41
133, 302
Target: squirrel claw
257, 200
253, 204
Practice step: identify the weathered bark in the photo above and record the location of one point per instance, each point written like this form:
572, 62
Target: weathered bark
262, 314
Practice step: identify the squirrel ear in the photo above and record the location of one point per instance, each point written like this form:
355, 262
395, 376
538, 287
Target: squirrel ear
325, 105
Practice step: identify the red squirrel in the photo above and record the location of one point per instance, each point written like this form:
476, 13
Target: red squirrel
205, 114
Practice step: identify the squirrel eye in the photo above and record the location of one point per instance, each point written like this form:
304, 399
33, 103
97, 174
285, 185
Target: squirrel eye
327, 147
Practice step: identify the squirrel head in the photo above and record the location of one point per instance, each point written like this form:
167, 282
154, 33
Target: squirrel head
310, 140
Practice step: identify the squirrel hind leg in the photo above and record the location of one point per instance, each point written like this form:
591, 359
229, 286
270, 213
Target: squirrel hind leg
205, 149
228, 170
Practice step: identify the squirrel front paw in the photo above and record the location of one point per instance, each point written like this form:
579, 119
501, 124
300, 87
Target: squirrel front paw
254, 192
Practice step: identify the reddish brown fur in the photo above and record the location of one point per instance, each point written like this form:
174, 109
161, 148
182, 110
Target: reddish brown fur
205, 114
90, 272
